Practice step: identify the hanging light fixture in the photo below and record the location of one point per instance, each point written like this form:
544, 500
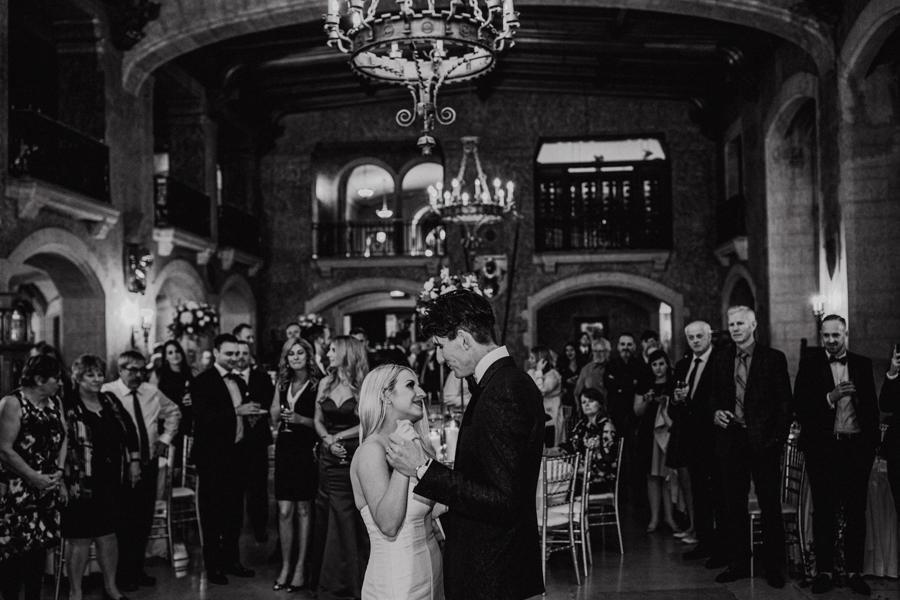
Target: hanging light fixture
472, 203
423, 48
384, 212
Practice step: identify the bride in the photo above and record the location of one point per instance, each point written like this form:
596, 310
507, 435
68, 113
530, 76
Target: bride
405, 560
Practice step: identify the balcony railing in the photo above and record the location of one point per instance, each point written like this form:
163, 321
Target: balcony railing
42, 148
387, 237
238, 229
731, 219
181, 206
556, 234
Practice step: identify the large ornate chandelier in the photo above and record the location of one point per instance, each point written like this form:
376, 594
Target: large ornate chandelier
422, 46
475, 203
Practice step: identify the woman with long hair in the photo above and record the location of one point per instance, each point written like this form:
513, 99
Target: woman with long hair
174, 378
548, 381
651, 404
32, 454
103, 453
341, 538
568, 365
296, 477
405, 560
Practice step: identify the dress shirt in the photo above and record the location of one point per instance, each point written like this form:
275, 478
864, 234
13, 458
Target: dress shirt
245, 375
155, 407
487, 360
845, 415
236, 400
704, 360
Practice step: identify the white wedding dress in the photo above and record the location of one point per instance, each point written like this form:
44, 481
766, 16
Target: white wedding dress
408, 566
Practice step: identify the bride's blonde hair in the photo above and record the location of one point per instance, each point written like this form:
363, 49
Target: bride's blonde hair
373, 403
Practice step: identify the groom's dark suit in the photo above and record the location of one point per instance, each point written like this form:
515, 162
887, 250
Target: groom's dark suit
493, 545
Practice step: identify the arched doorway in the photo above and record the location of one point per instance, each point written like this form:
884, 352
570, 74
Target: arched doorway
57, 269
621, 301
236, 304
176, 283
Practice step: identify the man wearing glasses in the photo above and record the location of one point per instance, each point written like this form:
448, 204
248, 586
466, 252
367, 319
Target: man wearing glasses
592, 374
147, 406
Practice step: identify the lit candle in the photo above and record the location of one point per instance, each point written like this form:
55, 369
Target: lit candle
435, 438
451, 434
465, 198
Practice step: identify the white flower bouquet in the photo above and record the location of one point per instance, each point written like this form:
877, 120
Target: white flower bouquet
194, 319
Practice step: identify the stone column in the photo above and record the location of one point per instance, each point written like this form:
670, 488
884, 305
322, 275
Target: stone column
82, 92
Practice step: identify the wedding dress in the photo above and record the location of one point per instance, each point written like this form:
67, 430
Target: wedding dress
407, 566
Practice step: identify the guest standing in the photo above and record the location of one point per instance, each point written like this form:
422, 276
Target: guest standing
146, 406
32, 452
651, 406
568, 365
837, 408
103, 456
341, 534
593, 373
548, 381
296, 476
220, 406
752, 398
253, 450
173, 378
889, 402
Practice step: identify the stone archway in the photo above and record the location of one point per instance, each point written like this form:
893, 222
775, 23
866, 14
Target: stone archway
176, 283
65, 265
237, 304
585, 282
368, 293
190, 24
795, 237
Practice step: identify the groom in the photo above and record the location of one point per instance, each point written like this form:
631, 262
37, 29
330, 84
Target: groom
493, 547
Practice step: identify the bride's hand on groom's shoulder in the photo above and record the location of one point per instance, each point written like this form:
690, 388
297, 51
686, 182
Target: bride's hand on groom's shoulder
404, 432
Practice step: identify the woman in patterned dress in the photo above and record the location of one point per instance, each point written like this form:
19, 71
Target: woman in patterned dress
32, 455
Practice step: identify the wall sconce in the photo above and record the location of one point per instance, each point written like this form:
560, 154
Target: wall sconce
137, 267
146, 324
818, 304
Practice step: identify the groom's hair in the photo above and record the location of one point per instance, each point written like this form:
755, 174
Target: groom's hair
460, 310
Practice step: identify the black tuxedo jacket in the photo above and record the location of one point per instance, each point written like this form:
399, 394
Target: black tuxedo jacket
816, 418
889, 402
693, 420
261, 390
767, 397
215, 422
493, 549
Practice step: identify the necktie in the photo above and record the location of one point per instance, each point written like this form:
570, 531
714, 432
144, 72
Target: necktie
740, 385
833, 359
141, 427
692, 377
473, 386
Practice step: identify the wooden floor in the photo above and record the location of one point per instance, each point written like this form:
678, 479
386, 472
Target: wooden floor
650, 569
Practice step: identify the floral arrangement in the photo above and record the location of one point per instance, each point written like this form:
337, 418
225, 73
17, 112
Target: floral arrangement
307, 321
446, 283
194, 318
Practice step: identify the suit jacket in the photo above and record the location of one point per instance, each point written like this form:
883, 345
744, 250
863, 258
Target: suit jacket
260, 389
767, 397
692, 433
215, 422
816, 417
889, 402
493, 549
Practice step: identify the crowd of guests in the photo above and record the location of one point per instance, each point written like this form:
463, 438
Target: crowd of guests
80, 454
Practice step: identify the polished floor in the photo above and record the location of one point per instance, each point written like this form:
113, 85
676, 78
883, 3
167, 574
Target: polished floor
650, 569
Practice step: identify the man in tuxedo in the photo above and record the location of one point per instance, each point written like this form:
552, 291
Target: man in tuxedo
146, 406
837, 408
751, 397
253, 450
694, 427
220, 409
493, 547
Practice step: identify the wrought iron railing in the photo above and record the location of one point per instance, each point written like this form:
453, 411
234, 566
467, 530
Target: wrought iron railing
385, 237
731, 219
238, 229
558, 234
45, 149
179, 205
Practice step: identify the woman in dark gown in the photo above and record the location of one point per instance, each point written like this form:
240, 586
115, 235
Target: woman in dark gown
296, 471
103, 453
173, 380
340, 531
32, 452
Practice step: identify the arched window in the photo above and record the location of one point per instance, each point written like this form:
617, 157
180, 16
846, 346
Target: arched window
426, 229
369, 194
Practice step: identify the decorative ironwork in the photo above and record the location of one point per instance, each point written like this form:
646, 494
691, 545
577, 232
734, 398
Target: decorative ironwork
387, 237
127, 20
422, 49
137, 265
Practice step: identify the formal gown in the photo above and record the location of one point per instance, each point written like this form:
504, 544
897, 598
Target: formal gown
407, 566
296, 471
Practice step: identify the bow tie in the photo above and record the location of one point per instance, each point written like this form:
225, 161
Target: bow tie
833, 359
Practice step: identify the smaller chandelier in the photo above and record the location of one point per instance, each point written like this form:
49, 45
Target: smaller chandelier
475, 204
422, 48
